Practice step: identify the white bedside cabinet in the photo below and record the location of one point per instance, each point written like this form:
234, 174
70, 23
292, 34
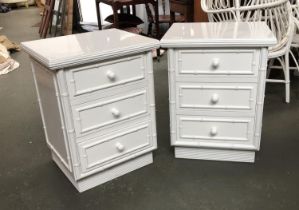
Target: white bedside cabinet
217, 77
96, 96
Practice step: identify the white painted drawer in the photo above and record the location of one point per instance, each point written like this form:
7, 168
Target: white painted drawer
97, 114
110, 150
98, 77
218, 62
210, 131
216, 96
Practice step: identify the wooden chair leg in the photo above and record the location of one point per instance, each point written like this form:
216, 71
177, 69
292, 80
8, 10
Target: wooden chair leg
172, 18
149, 29
98, 15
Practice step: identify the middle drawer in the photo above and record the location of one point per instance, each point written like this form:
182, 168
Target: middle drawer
216, 96
92, 116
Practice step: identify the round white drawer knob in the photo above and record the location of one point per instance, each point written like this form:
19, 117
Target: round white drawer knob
215, 63
111, 75
213, 131
115, 112
120, 147
215, 98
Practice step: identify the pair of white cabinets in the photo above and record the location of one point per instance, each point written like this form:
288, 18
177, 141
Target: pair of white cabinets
96, 96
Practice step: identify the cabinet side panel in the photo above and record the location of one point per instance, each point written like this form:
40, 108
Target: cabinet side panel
150, 81
49, 107
260, 97
172, 68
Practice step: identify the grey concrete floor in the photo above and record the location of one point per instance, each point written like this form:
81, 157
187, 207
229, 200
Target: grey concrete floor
29, 179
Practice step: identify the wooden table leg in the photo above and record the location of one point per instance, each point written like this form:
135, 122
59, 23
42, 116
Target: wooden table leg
172, 17
98, 14
156, 8
199, 14
115, 17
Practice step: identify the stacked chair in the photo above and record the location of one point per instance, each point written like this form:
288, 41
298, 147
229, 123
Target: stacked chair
295, 42
278, 15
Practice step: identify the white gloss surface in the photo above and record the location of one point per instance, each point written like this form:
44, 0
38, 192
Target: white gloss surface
218, 34
77, 49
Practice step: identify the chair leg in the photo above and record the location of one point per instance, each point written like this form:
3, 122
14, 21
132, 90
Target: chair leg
287, 78
271, 62
149, 29
172, 18
295, 61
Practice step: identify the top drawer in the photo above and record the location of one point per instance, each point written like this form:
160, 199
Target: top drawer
89, 79
218, 62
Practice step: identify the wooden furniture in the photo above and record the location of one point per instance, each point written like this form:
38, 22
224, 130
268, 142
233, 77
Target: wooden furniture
119, 4
26, 2
183, 7
217, 75
63, 17
46, 18
199, 14
96, 96
69, 18
163, 18
60, 19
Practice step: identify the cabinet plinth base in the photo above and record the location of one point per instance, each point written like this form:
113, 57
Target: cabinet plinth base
106, 175
214, 154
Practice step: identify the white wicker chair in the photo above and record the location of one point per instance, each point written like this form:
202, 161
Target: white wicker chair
276, 13
295, 41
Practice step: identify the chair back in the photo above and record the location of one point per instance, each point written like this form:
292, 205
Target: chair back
295, 11
276, 13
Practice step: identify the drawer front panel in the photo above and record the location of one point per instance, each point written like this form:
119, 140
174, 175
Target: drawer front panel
222, 62
99, 152
98, 114
109, 74
221, 96
216, 129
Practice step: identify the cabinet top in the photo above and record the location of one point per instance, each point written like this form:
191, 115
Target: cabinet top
71, 50
218, 34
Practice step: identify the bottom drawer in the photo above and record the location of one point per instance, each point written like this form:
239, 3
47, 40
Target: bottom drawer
105, 151
211, 131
